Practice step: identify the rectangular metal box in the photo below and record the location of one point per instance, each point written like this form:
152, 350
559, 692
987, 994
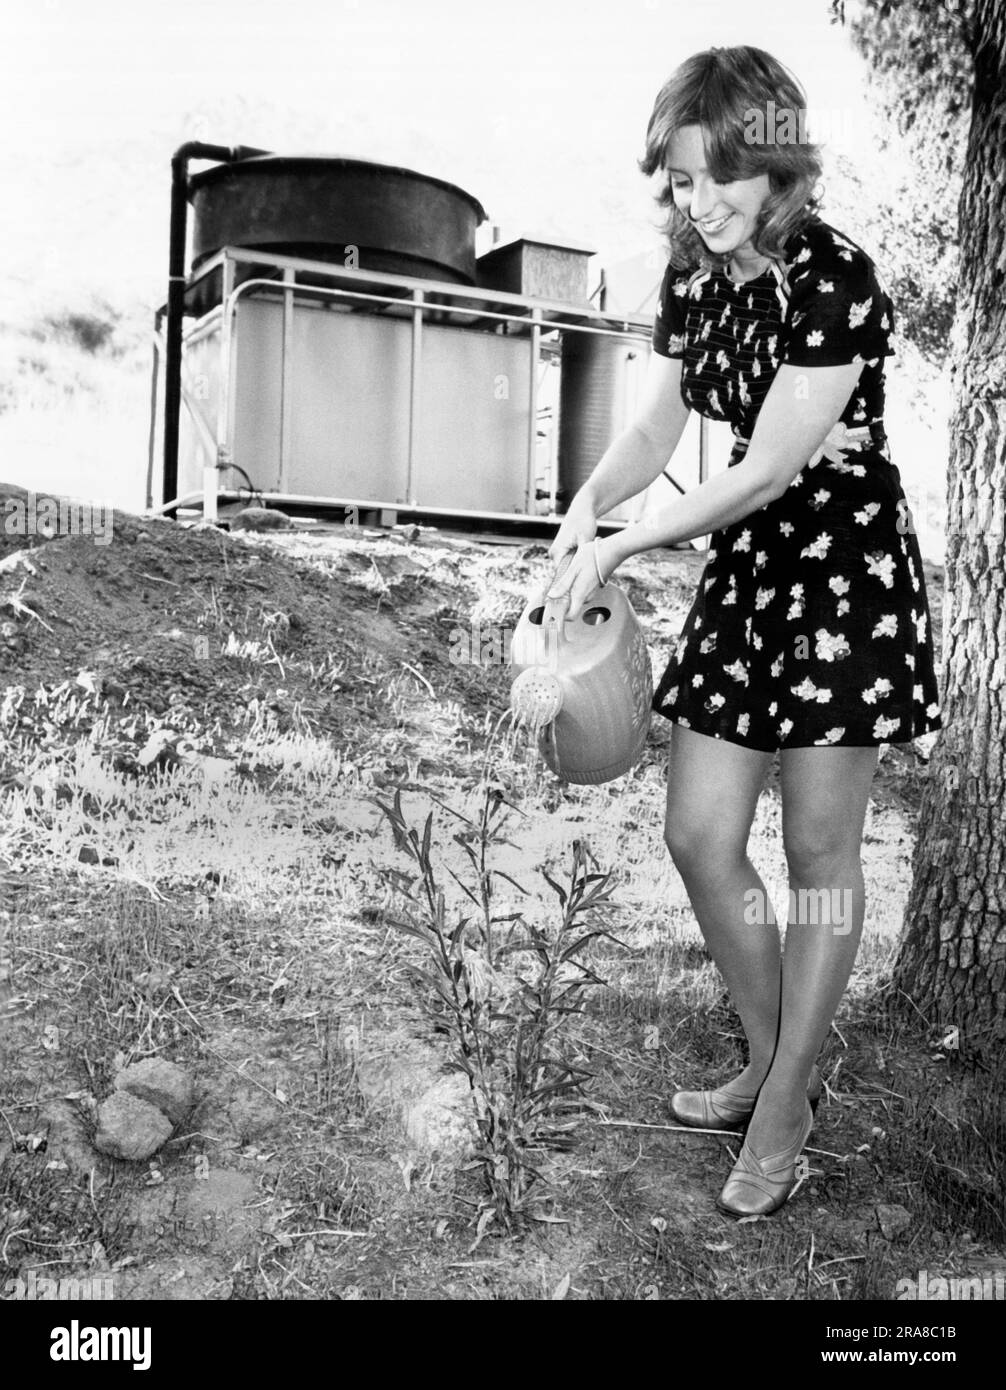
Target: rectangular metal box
536, 269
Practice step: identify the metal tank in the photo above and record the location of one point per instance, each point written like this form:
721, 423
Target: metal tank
596, 396
315, 206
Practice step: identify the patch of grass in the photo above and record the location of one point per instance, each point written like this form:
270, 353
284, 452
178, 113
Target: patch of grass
51, 1217
323, 1188
952, 1141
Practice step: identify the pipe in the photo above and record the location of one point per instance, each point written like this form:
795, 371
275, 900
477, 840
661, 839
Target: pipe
155, 376
193, 149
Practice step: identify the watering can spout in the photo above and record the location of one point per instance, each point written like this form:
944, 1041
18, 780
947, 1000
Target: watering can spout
536, 697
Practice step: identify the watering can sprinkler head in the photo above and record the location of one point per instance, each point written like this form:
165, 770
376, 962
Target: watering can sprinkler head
536, 697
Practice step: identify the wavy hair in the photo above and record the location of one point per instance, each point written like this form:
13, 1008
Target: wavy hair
724, 91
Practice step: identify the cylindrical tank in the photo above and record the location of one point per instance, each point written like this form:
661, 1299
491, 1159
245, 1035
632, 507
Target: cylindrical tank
316, 206
592, 405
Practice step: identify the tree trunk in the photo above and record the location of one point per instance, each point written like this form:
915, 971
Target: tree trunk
952, 963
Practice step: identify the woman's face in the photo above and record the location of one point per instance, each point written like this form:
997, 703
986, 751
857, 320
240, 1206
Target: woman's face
724, 213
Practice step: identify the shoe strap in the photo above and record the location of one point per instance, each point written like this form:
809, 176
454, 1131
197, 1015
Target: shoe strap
722, 1105
751, 1164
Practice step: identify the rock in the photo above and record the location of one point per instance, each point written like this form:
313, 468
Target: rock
130, 1128
438, 1120
162, 1084
893, 1219
260, 519
400, 1071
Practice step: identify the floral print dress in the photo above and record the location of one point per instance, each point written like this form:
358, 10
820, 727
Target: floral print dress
811, 624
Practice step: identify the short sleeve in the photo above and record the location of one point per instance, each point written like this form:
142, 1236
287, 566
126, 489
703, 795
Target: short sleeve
837, 312
668, 338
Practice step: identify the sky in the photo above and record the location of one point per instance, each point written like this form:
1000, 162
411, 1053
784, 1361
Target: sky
85, 69
537, 107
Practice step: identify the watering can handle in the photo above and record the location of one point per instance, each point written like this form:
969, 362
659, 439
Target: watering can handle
556, 608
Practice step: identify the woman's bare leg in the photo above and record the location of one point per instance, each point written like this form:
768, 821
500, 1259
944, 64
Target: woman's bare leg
825, 794
712, 792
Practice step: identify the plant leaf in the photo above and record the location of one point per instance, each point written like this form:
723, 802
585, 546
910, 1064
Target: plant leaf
556, 889
498, 873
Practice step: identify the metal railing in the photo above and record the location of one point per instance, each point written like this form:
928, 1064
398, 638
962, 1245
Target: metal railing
421, 297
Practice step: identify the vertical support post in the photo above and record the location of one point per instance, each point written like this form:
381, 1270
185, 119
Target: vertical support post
214, 467
154, 383
286, 369
414, 394
553, 441
532, 428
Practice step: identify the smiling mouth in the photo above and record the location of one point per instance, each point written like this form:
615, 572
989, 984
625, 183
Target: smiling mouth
717, 225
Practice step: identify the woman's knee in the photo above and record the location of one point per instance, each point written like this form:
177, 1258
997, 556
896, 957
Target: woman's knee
712, 791
680, 843
825, 793
698, 848
816, 852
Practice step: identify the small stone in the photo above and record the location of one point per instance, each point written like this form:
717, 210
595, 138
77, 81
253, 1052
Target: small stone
160, 1083
129, 1128
893, 1219
260, 519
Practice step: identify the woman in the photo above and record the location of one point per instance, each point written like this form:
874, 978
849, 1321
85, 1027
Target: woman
809, 633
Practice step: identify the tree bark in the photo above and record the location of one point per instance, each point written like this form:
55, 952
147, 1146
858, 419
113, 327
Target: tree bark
952, 962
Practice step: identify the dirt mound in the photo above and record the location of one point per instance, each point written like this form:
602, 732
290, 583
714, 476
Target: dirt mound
201, 625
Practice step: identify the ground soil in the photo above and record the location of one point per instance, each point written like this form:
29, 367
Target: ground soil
242, 1204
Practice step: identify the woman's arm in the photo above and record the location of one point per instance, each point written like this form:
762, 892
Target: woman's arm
802, 406
636, 457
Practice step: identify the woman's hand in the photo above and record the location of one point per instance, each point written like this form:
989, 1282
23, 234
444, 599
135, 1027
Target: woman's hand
579, 527
591, 564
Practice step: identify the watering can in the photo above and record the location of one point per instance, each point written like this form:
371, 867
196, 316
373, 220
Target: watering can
586, 686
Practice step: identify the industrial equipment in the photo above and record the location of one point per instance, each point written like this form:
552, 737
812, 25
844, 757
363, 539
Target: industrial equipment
337, 344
